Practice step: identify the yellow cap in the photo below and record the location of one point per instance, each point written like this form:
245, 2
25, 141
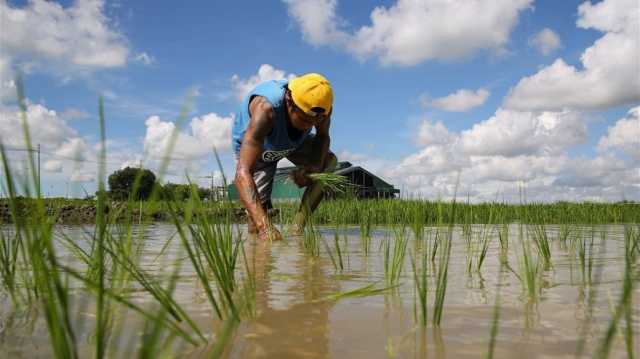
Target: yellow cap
311, 92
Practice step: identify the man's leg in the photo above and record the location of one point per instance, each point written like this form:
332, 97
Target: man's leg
263, 176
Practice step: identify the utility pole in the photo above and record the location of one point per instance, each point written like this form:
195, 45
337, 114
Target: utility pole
39, 178
211, 193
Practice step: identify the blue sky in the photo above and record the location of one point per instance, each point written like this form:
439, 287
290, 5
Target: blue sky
500, 94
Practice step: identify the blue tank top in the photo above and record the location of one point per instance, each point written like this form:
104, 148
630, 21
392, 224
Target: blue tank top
277, 144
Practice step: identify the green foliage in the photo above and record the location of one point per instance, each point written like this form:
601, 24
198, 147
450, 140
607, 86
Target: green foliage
121, 183
182, 192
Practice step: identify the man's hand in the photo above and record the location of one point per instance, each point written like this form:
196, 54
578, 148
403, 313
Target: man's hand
269, 233
300, 178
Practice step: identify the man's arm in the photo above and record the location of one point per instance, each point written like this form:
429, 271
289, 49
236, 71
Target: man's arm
259, 127
322, 142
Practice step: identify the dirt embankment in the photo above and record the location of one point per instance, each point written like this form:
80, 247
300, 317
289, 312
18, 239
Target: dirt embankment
76, 213
85, 211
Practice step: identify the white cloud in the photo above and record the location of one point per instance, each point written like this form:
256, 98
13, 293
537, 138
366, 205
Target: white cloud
495, 158
53, 166
82, 176
79, 34
625, 135
546, 41
145, 59
266, 72
512, 133
74, 148
45, 127
412, 31
197, 143
434, 134
460, 101
318, 21
609, 73
44, 35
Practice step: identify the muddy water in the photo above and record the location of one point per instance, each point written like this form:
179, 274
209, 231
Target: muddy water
295, 320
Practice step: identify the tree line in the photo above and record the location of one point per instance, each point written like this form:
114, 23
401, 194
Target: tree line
122, 183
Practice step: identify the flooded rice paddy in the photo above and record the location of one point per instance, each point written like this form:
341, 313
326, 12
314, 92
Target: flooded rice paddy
299, 311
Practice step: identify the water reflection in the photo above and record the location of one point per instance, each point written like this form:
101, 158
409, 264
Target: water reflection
291, 320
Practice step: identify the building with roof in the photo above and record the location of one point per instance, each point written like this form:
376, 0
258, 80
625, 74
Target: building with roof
364, 184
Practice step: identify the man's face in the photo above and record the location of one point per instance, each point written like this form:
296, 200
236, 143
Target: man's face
301, 120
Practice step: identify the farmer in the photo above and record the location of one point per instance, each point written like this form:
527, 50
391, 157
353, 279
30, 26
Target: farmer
275, 122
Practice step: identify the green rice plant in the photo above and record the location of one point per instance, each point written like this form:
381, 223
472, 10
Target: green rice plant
418, 223
364, 291
311, 241
564, 232
365, 232
443, 266
623, 307
46, 285
421, 287
211, 249
585, 255
9, 260
485, 240
529, 269
503, 237
394, 255
331, 182
495, 320
442, 278
541, 240
336, 258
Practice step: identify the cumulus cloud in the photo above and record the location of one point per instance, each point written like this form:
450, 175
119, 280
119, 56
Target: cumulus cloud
434, 134
45, 125
609, 73
53, 166
65, 154
512, 133
412, 31
318, 21
625, 135
546, 41
195, 143
496, 157
46, 35
266, 72
460, 101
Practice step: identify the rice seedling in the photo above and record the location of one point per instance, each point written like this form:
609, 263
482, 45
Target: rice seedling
311, 241
443, 269
418, 223
495, 320
364, 291
441, 278
212, 250
394, 255
623, 307
529, 269
564, 232
585, 255
421, 285
336, 258
331, 182
541, 241
365, 232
